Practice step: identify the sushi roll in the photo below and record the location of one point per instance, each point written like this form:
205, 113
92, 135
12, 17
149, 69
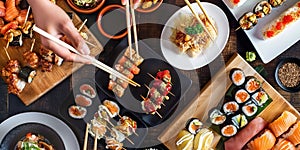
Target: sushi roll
77, 112
193, 125
230, 107
229, 130
97, 127
184, 140
276, 3
113, 108
27, 74
260, 98
83, 100
249, 109
248, 21
237, 76
262, 9
252, 84
203, 139
241, 96
217, 117
239, 120
87, 90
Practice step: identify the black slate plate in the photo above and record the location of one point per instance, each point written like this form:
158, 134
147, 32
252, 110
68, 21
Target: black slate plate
80, 124
18, 133
282, 62
131, 99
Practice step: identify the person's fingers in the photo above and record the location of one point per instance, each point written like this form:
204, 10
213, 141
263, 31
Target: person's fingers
73, 35
63, 52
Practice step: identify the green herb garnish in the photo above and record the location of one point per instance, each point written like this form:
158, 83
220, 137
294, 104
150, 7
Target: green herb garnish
197, 29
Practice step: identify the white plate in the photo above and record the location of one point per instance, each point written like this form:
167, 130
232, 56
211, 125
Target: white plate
183, 61
66, 134
271, 48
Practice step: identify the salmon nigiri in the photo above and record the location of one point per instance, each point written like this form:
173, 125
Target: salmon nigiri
294, 134
283, 144
282, 123
264, 142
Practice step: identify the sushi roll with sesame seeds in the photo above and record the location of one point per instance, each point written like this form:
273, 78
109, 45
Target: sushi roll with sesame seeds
252, 84
237, 76
249, 109
239, 120
217, 117
241, 96
260, 98
230, 107
229, 130
193, 125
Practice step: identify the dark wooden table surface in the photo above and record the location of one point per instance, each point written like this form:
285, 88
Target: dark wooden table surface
149, 28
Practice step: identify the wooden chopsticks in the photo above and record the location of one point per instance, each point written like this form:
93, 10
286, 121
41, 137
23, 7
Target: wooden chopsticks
198, 19
206, 15
86, 135
94, 61
129, 8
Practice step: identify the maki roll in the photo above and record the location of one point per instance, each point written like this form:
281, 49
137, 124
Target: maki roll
239, 120
230, 107
113, 108
193, 125
27, 74
276, 3
237, 76
249, 109
248, 21
217, 117
77, 112
87, 90
83, 100
241, 96
252, 84
229, 130
260, 97
262, 9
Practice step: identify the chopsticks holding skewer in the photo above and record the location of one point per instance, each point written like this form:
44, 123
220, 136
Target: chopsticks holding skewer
94, 61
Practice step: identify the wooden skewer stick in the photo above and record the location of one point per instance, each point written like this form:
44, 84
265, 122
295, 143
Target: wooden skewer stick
207, 17
96, 140
155, 78
27, 15
238, 28
32, 45
7, 44
149, 89
79, 29
134, 28
86, 136
89, 43
7, 53
155, 110
128, 27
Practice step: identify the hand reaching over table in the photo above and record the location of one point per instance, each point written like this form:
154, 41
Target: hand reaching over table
55, 21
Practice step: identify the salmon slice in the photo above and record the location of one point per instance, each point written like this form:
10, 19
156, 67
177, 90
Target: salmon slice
264, 142
11, 10
282, 123
294, 134
283, 144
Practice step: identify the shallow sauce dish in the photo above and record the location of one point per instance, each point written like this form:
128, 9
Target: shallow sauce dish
279, 65
85, 10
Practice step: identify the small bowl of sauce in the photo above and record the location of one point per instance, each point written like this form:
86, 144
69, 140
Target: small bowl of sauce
287, 74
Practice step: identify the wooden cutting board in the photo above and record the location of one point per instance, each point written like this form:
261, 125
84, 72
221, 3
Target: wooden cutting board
45, 81
213, 92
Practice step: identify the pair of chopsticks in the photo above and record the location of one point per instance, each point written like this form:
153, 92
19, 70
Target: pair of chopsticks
129, 8
198, 19
94, 61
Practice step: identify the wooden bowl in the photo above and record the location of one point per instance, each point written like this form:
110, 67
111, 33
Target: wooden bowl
150, 9
102, 13
85, 11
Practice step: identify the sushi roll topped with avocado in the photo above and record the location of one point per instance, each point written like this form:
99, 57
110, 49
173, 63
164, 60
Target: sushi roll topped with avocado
237, 76
252, 84
260, 98
249, 109
193, 125
239, 120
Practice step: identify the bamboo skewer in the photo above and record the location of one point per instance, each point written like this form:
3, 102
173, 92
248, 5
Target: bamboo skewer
79, 29
94, 61
86, 135
7, 53
125, 136
148, 93
206, 15
198, 19
27, 15
96, 140
32, 45
155, 78
155, 110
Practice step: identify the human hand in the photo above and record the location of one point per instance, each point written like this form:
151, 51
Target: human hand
55, 21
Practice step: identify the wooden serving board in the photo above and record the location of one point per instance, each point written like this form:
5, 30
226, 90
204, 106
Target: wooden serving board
212, 94
44, 81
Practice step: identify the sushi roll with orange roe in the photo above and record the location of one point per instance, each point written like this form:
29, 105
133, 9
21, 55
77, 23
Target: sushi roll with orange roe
230, 107
193, 125
229, 130
249, 109
252, 84
241, 96
237, 76
217, 117
260, 97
